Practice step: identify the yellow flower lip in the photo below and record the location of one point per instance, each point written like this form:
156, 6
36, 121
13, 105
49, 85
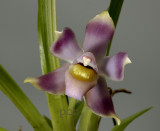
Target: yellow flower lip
83, 73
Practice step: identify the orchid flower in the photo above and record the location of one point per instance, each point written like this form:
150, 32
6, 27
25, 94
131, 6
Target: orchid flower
88, 67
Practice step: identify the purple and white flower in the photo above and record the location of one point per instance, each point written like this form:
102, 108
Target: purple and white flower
87, 67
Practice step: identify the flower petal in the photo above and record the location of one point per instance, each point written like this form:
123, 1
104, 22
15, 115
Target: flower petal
113, 66
52, 82
99, 32
76, 88
99, 100
66, 47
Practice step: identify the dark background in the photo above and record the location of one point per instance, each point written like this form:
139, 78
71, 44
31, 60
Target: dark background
137, 33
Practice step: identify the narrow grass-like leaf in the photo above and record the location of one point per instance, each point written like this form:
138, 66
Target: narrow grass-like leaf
125, 122
47, 25
9, 87
114, 11
75, 107
88, 121
48, 121
2, 129
78, 109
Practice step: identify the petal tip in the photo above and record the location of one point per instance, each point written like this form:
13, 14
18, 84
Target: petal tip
105, 16
127, 61
58, 34
116, 118
31, 80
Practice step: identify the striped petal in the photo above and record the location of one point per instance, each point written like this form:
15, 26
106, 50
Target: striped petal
99, 100
77, 88
99, 32
66, 47
53, 82
113, 66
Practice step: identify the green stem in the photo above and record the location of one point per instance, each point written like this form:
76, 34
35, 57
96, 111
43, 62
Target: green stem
88, 121
47, 25
9, 87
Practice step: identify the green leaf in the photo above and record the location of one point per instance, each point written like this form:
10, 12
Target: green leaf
47, 25
88, 121
9, 87
2, 129
75, 107
114, 11
48, 121
125, 122
78, 109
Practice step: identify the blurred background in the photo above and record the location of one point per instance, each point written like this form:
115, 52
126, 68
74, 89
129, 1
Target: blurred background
138, 33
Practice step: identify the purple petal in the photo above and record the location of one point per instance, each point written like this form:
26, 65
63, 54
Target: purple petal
53, 82
113, 66
76, 88
88, 59
66, 47
99, 32
99, 100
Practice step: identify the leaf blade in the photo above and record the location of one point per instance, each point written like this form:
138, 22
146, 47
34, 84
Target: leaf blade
125, 122
114, 11
2, 129
88, 121
47, 25
10, 88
